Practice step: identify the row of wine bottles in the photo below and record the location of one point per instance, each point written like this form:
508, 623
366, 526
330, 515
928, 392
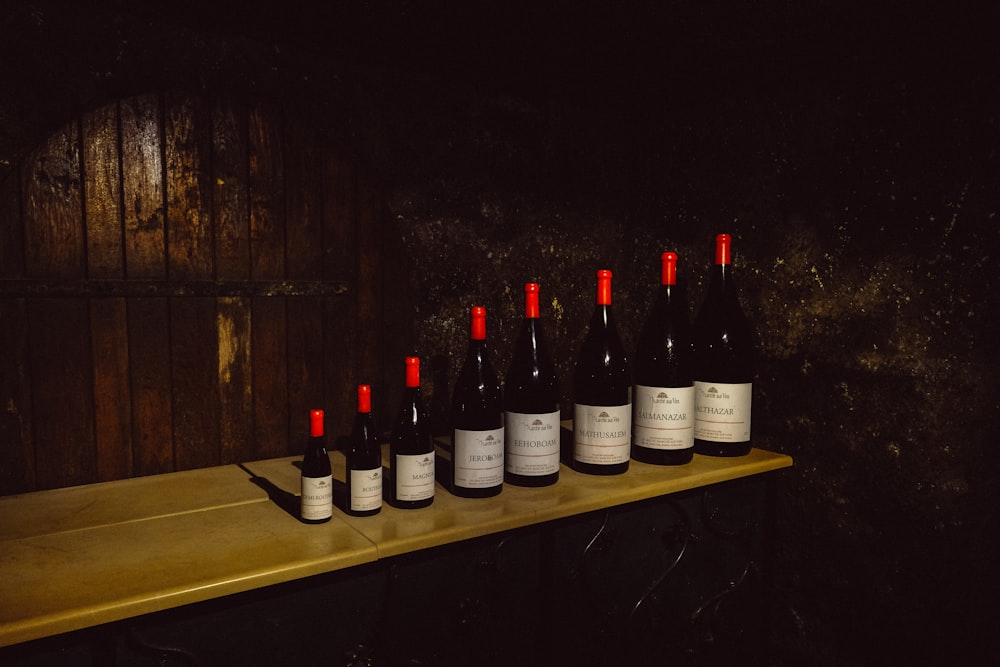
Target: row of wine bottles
690, 392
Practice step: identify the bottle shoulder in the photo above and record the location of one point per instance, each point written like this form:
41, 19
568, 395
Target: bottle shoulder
602, 341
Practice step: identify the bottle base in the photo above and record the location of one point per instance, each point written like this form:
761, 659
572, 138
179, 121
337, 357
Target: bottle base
530, 480
599, 469
486, 492
364, 513
708, 448
315, 521
662, 457
411, 504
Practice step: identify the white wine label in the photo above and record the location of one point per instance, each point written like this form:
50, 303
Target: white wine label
478, 458
663, 417
722, 411
317, 498
602, 434
414, 476
532, 443
366, 489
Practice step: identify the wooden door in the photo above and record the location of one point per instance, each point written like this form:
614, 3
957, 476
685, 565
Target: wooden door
182, 277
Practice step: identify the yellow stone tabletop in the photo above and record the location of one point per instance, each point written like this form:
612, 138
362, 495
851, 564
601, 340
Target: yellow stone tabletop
136, 499
82, 556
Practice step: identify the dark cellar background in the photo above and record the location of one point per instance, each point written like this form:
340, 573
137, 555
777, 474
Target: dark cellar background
851, 151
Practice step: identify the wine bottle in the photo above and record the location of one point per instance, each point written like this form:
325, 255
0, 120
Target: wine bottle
723, 364
364, 460
317, 478
477, 415
663, 398
411, 449
531, 405
602, 393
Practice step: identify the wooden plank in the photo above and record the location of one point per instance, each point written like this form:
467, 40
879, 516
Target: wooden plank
53, 208
270, 377
370, 344
102, 193
112, 395
266, 192
11, 228
194, 364
186, 149
149, 369
61, 392
192, 288
17, 455
340, 376
303, 186
142, 187
340, 258
305, 368
230, 192
340, 211
235, 379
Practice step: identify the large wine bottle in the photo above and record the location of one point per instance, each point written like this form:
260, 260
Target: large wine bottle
602, 393
663, 399
531, 405
364, 460
477, 415
411, 449
723, 364
317, 479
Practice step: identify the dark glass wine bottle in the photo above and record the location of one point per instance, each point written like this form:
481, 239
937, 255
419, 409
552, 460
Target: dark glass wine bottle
364, 460
723, 364
317, 479
477, 415
602, 393
663, 398
531, 405
411, 449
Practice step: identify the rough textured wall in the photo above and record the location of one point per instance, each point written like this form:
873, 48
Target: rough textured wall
852, 154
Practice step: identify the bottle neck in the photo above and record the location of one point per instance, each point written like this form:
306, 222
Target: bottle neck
411, 395
364, 399
668, 268
477, 330
316, 424
477, 334
531, 310
722, 277
412, 372
602, 316
603, 288
477, 353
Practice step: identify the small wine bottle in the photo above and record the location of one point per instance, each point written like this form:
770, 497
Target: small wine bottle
602, 393
477, 415
531, 405
364, 460
723, 364
317, 479
663, 410
411, 449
